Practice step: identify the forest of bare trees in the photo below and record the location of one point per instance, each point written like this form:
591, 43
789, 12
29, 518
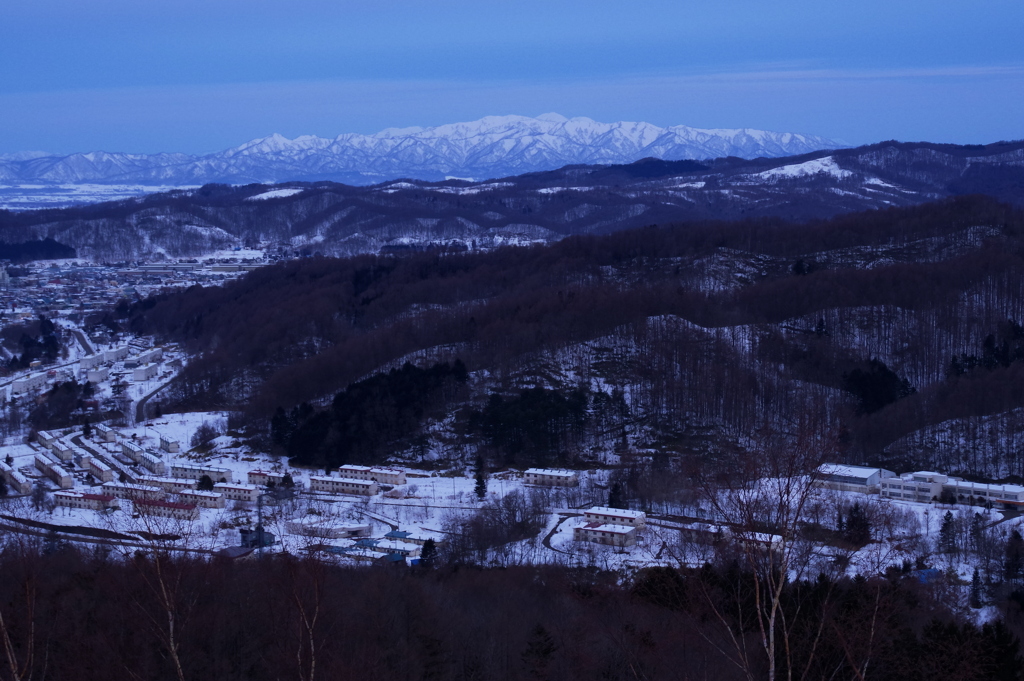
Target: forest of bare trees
76, 613
707, 327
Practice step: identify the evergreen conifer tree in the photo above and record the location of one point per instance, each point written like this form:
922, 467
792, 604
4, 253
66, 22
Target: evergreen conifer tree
947, 534
480, 488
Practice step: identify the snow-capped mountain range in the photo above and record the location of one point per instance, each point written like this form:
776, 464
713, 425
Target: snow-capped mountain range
494, 146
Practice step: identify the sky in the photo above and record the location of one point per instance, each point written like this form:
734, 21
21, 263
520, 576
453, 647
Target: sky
197, 77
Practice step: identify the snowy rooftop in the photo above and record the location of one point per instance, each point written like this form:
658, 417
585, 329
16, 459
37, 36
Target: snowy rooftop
618, 512
849, 471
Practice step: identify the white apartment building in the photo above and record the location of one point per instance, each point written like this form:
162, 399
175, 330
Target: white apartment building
62, 451
15, 480
195, 472
94, 502
54, 472
551, 477
90, 362
97, 375
104, 433
259, 477
605, 533
28, 383
169, 444
124, 490
333, 485
115, 354
378, 474
237, 491
97, 469
145, 372
153, 463
615, 516
201, 499
47, 438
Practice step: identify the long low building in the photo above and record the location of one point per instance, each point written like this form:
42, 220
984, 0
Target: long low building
550, 477
166, 509
237, 491
168, 484
93, 502
605, 533
196, 472
615, 516
28, 383
378, 474
124, 490
843, 478
333, 485
925, 486
201, 498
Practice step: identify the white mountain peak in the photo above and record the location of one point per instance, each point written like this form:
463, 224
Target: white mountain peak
493, 146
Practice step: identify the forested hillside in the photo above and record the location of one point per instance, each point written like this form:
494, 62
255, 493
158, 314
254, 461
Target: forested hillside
893, 331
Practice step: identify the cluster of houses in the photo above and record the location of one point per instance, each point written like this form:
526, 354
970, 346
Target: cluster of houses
919, 486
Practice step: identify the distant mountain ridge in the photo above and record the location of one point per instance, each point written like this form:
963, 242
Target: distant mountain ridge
407, 214
492, 147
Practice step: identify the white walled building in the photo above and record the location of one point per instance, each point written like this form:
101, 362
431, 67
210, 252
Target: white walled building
195, 472
145, 372
95, 502
62, 451
333, 485
153, 463
925, 486
175, 485
169, 444
550, 477
237, 491
104, 433
15, 480
97, 375
259, 477
605, 533
201, 499
124, 490
28, 383
97, 468
115, 354
863, 479
615, 516
47, 438
378, 474
91, 361
54, 471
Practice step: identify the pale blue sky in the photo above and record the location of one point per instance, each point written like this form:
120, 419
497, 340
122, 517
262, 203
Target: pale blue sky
193, 76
